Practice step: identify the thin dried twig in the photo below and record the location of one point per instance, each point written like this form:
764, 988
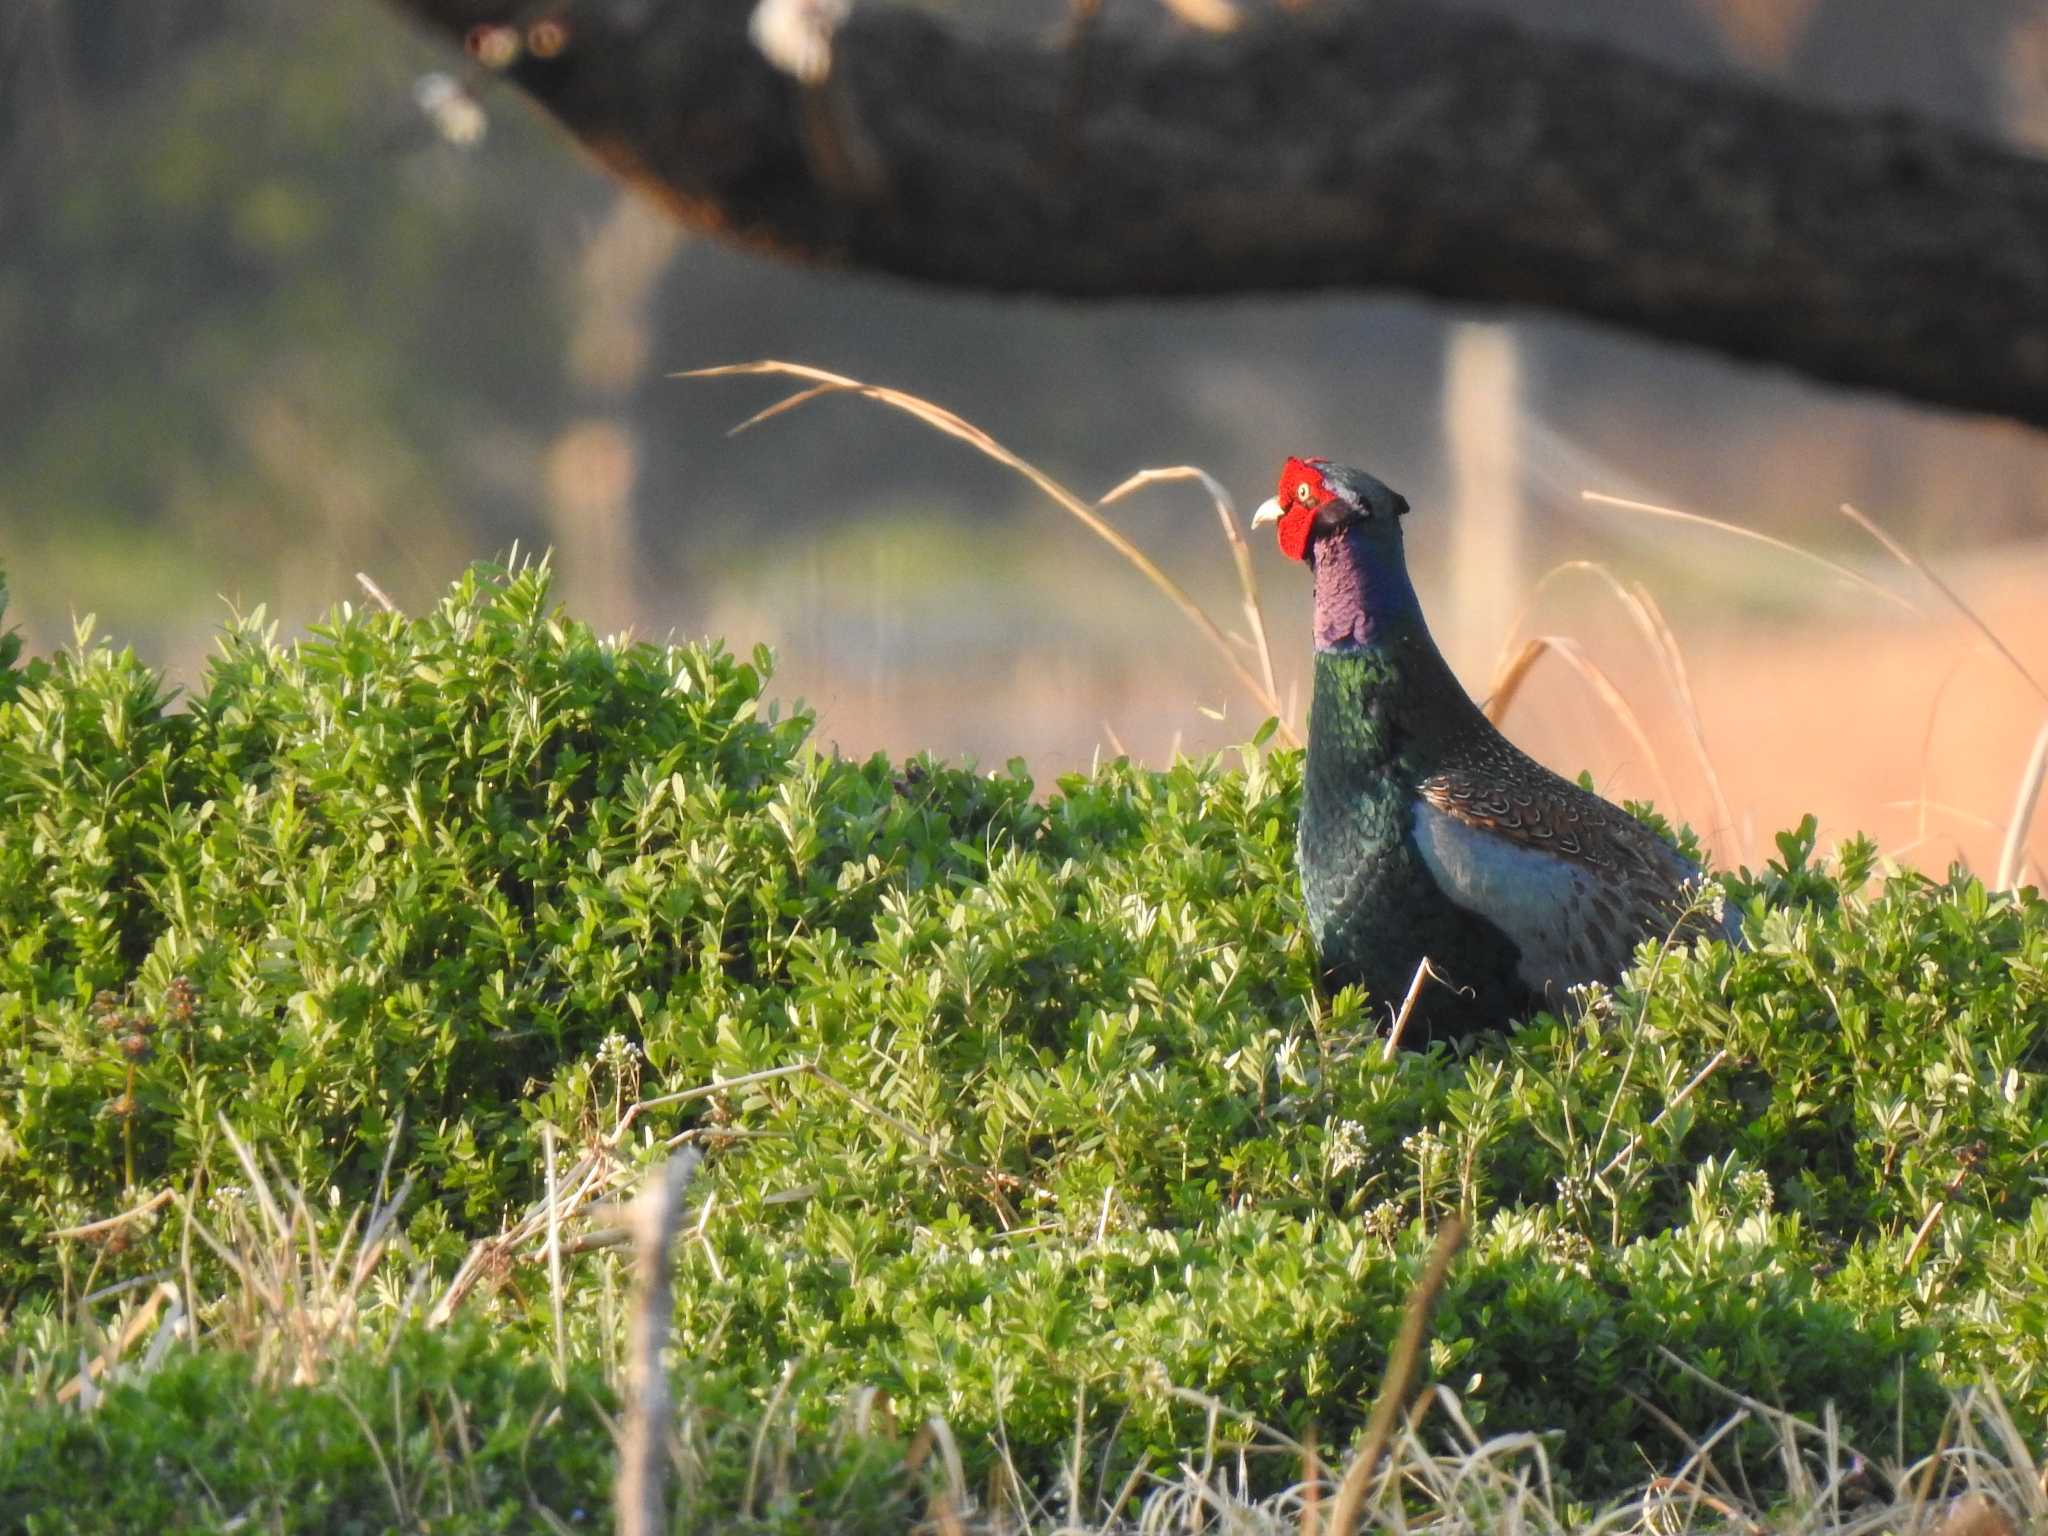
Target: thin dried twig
561, 1361
1760, 1409
590, 1177
1696, 1496
940, 419
642, 1492
1926, 1230
375, 593
1628, 1150
1423, 972
588, 1181
1699, 1453
992, 1178
155, 1202
707, 1090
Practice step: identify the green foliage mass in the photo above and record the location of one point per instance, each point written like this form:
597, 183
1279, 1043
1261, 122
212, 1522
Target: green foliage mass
1060, 1119
207, 1442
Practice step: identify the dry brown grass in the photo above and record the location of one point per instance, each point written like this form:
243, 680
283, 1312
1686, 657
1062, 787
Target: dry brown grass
821, 383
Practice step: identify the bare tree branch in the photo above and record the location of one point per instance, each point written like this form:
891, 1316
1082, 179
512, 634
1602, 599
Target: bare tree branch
1393, 144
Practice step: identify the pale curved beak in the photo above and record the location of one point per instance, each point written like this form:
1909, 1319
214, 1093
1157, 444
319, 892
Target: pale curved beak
1268, 512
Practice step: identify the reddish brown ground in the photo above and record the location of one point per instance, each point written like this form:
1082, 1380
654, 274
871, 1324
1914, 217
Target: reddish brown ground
1910, 729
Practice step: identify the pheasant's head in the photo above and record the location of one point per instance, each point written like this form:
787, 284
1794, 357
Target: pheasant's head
1318, 497
1345, 524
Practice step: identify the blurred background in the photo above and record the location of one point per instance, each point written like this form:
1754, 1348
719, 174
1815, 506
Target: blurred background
287, 293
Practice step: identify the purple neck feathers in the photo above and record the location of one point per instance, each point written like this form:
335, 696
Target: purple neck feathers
1359, 591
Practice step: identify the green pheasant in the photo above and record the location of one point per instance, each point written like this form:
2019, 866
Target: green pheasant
1425, 833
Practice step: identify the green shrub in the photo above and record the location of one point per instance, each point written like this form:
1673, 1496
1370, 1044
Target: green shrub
1069, 1121
451, 1424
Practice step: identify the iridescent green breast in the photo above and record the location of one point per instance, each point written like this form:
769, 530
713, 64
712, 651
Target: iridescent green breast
1373, 905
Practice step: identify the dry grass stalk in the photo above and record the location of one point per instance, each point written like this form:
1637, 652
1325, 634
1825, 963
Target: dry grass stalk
591, 1180
2013, 856
1643, 611
140, 1321
1401, 1364
1926, 1229
592, 1177
822, 383
1665, 1491
642, 1491
1960, 813
1922, 569
1510, 671
1219, 1410
402, 1516
2013, 851
296, 1305
935, 1434
1955, 670
1680, 679
1240, 557
1853, 577
1508, 682
1699, 1459
769, 1415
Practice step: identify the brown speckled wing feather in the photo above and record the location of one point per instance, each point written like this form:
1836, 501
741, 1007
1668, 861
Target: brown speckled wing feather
1632, 885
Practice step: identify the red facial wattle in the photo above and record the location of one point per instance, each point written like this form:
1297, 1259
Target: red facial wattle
1296, 526
1298, 517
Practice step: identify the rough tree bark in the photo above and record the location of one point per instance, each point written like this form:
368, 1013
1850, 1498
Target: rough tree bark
1391, 144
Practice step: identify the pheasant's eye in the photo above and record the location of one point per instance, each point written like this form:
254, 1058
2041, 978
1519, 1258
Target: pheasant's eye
1305, 492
